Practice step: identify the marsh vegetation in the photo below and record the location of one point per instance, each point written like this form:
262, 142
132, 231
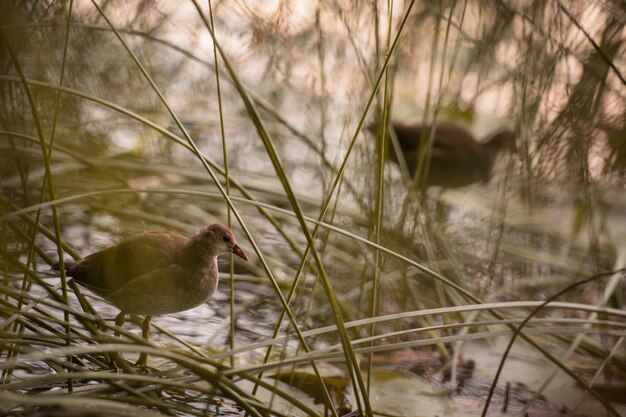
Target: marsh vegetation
366, 290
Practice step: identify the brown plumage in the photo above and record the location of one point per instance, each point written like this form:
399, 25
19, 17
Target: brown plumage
157, 272
457, 159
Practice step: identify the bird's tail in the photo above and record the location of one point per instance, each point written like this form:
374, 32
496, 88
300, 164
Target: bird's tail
501, 140
57, 266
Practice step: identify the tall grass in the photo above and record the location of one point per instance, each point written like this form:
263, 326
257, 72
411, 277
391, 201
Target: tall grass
119, 118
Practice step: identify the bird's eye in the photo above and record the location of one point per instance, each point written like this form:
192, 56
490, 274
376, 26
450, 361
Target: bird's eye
226, 238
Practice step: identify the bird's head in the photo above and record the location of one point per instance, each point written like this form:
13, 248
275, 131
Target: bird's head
219, 238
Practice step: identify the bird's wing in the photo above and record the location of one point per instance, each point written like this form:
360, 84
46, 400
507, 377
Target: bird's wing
160, 291
108, 270
455, 140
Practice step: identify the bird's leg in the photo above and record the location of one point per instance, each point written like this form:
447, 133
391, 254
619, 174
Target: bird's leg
145, 333
441, 209
119, 322
116, 358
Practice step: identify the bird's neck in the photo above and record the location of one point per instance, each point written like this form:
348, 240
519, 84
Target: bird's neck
202, 270
197, 256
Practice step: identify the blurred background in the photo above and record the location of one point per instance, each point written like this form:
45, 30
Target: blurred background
119, 117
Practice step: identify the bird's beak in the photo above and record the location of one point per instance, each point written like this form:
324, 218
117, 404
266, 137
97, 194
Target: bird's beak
237, 251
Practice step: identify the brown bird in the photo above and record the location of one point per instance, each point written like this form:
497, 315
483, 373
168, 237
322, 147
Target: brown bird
156, 272
457, 159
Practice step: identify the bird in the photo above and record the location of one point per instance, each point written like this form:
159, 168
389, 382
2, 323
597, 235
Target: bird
457, 159
156, 273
